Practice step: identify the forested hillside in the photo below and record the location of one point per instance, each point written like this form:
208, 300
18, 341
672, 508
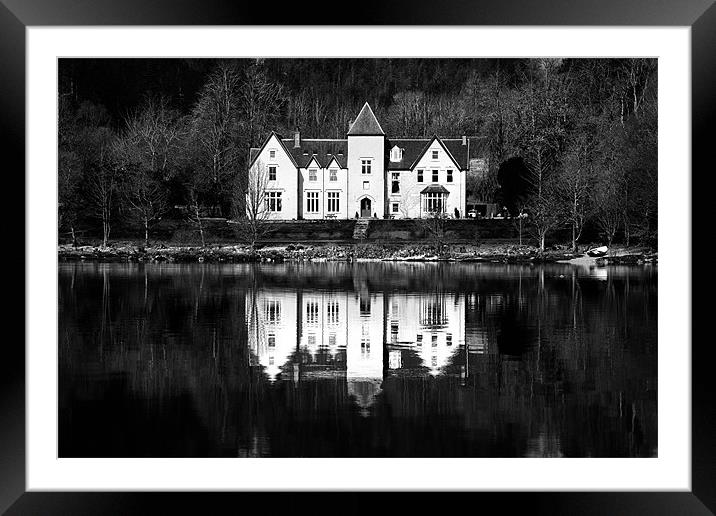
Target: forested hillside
572, 142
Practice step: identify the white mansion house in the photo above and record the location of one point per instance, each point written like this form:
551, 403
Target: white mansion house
363, 175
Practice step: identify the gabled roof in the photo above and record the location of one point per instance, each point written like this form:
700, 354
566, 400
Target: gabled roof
427, 146
415, 148
254, 152
366, 124
324, 150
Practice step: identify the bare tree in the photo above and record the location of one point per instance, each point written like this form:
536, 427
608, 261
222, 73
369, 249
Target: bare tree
544, 213
574, 184
147, 199
153, 135
214, 130
608, 201
251, 223
68, 184
542, 112
102, 187
432, 224
193, 212
261, 100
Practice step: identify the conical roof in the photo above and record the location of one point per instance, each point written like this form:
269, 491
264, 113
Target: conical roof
366, 124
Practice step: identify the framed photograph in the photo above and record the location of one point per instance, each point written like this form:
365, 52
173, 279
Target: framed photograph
421, 252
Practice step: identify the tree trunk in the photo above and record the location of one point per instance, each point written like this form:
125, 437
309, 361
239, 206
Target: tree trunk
74, 237
146, 232
198, 222
105, 232
574, 237
541, 242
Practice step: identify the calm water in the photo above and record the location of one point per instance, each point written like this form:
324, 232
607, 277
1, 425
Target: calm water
368, 359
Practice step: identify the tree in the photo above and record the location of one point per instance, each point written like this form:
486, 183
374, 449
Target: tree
544, 213
102, 186
609, 189
574, 183
69, 181
147, 199
152, 135
214, 130
543, 112
251, 223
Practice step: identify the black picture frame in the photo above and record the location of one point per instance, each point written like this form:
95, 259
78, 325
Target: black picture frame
17, 15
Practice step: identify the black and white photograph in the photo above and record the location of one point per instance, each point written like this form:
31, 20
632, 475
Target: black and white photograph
357, 257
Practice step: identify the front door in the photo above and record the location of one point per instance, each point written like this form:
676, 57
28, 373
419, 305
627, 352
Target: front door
365, 211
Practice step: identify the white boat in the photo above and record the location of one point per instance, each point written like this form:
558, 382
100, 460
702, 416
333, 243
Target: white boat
598, 251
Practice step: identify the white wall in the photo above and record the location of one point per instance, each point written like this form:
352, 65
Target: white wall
372, 147
323, 185
286, 178
409, 197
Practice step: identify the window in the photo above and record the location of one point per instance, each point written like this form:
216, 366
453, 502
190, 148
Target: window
364, 305
272, 173
435, 154
366, 185
419, 340
312, 312
449, 176
395, 207
396, 154
448, 339
311, 202
312, 174
433, 202
434, 340
332, 310
333, 175
435, 176
365, 166
420, 176
395, 182
272, 154
273, 201
272, 340
334, 201
272, 312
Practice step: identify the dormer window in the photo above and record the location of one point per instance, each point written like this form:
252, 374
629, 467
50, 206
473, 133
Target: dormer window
396, 154
435, 154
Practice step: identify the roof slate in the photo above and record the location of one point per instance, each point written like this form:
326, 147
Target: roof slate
322, 149
366, 124
413, 148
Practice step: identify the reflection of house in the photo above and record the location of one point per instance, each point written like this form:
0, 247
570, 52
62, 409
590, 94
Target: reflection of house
431, 325
345, 334
272, 327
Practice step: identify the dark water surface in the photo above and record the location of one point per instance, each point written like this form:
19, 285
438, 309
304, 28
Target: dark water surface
367, 359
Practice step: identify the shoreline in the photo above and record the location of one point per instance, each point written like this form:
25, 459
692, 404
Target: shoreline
359, 252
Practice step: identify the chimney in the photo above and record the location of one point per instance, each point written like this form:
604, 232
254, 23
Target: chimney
464, 140
296, 139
